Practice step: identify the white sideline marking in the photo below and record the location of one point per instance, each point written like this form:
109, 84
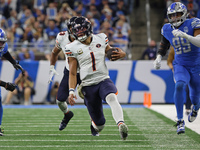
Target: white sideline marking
82, 146
84, 134
73, 140
75, 124
68, 130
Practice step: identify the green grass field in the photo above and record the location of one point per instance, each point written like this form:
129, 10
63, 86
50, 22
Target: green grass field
37, 129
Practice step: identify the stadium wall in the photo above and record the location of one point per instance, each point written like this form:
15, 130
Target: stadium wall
132, 78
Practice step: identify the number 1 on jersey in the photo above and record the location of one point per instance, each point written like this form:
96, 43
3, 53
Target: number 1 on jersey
93, 61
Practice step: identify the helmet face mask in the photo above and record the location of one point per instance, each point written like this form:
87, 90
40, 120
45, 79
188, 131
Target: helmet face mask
3, 39
177, 13
82, 28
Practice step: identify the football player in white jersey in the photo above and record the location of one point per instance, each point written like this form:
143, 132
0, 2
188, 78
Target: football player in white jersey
61, 40
88, 53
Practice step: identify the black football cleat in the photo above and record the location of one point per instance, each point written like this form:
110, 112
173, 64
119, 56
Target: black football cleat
1, 131
65, 120
93, 131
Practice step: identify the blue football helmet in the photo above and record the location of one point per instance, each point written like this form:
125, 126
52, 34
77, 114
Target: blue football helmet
172, 11
3, 39
81, 28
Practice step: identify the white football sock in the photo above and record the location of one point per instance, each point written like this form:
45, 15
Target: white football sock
63, 106
116, 108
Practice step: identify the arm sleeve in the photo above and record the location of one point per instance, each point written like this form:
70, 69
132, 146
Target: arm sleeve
164, 46
194, 40
9, 58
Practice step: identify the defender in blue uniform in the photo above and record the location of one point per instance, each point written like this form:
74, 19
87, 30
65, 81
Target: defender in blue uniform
7, 85
184, 35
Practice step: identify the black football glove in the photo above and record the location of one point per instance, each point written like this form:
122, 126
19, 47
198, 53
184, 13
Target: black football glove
10, 86
18, 67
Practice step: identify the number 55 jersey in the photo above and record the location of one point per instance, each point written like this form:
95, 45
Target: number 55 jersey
186, 53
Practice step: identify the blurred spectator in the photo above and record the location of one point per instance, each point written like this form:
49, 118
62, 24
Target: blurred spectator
80, 9
150, 52
103, 4
94, 11
28, 33
26, 15
3, 22
120, 7
51, 11
40, 4
40, 17
108, 18
63, 21
108, 30
51, 30
4, 9
12, 19
120, 40
95, 23
125, 26
26, 54
10, 36
38, 42
25, 89
192, 7
106, 11
22, 8
65, 8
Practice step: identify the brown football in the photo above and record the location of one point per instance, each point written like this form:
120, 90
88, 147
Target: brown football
110, 52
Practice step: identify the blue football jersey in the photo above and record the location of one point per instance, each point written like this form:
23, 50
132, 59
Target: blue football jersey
5, 49
186, 53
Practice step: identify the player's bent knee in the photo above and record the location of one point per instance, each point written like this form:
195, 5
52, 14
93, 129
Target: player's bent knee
180, 85
111, 97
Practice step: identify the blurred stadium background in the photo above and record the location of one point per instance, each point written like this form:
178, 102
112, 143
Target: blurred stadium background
32, 26
129, 24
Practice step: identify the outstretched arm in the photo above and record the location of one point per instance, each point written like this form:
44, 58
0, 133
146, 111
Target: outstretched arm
13, 62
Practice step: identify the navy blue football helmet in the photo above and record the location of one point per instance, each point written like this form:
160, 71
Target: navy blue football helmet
70, 22
81, 28
3, 39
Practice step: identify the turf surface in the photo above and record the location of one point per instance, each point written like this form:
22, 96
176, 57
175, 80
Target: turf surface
37, 129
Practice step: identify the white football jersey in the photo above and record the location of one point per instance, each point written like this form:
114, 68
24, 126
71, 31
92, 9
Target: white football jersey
90, 58
62, 39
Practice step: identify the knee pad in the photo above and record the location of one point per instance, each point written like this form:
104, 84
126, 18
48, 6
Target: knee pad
180, 85
111, 97
63, 106
98, 128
